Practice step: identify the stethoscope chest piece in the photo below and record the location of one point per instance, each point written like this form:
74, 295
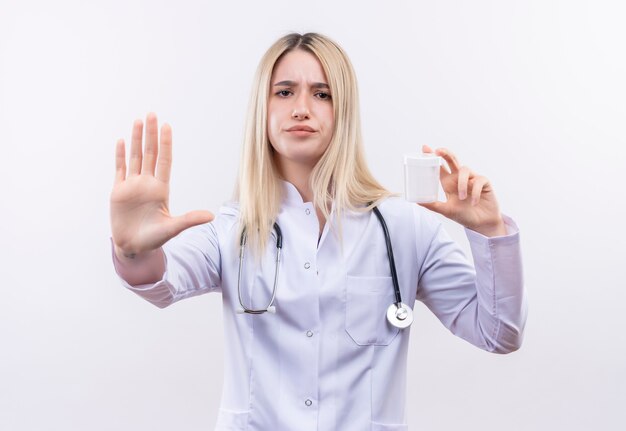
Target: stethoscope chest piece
400, 317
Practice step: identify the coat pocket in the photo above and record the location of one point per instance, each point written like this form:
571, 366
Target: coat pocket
367, 300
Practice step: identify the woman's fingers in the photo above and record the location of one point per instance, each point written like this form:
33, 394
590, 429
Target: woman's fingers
164, 164
462, 182
146, 161
477, 188
134, 161
443, 170
120, 161
450, 158
152, 145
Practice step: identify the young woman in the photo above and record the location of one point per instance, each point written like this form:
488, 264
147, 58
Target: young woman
318, 338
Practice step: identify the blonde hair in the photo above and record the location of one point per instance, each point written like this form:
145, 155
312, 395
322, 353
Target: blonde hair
340, 176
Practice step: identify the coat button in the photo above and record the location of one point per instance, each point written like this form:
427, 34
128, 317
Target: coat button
307, 211
308, 402
307, 265
309, 333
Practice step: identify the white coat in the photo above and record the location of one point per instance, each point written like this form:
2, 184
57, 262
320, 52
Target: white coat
328, 359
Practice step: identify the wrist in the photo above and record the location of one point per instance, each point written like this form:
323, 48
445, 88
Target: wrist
491, 230
132, 256
144, 268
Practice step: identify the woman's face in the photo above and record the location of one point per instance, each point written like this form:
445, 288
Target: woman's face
300, 119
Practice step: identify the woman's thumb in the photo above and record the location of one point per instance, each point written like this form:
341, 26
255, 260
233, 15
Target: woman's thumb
192, 218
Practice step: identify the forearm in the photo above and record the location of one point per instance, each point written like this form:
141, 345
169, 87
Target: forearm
500, 288
481, 303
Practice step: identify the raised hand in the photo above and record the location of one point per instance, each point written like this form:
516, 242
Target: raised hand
470, 197
140, 218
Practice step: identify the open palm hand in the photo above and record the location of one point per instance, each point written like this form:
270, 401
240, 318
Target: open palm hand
140, 218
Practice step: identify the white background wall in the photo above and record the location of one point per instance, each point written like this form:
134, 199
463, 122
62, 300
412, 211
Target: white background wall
530, 93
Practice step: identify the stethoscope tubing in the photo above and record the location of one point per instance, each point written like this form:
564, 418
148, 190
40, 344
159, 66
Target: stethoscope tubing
392, 262
398, 314
279, 248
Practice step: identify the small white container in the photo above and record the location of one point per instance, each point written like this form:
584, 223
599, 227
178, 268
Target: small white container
421, 177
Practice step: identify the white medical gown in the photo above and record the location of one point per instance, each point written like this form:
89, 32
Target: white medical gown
328, 359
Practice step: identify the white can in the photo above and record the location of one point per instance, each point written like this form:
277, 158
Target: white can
421, 177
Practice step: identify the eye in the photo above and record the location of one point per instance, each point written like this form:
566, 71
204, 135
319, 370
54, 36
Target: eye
323, 96
283, 93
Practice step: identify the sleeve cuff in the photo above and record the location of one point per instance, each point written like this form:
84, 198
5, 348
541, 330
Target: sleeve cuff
512, 234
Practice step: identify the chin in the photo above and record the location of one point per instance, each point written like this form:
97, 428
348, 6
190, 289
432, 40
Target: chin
298, 152
305, 159
297, 158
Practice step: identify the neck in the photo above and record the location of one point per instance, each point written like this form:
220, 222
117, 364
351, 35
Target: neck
298, 175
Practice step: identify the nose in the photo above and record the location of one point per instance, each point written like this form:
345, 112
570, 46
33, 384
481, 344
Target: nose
301, 108
299, 115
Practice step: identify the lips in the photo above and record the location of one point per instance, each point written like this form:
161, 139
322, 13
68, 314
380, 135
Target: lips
301, 129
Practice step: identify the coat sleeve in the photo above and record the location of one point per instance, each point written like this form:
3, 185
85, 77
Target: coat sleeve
485, 303
192, 267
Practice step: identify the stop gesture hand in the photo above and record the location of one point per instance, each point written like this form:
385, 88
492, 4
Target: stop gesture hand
471, 201
140, 217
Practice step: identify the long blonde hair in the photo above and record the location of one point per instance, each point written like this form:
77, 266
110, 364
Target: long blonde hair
340, 176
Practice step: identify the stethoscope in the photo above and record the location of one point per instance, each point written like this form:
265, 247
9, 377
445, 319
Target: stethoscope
399, 314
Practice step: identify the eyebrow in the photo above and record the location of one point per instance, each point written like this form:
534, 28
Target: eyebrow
295, 84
